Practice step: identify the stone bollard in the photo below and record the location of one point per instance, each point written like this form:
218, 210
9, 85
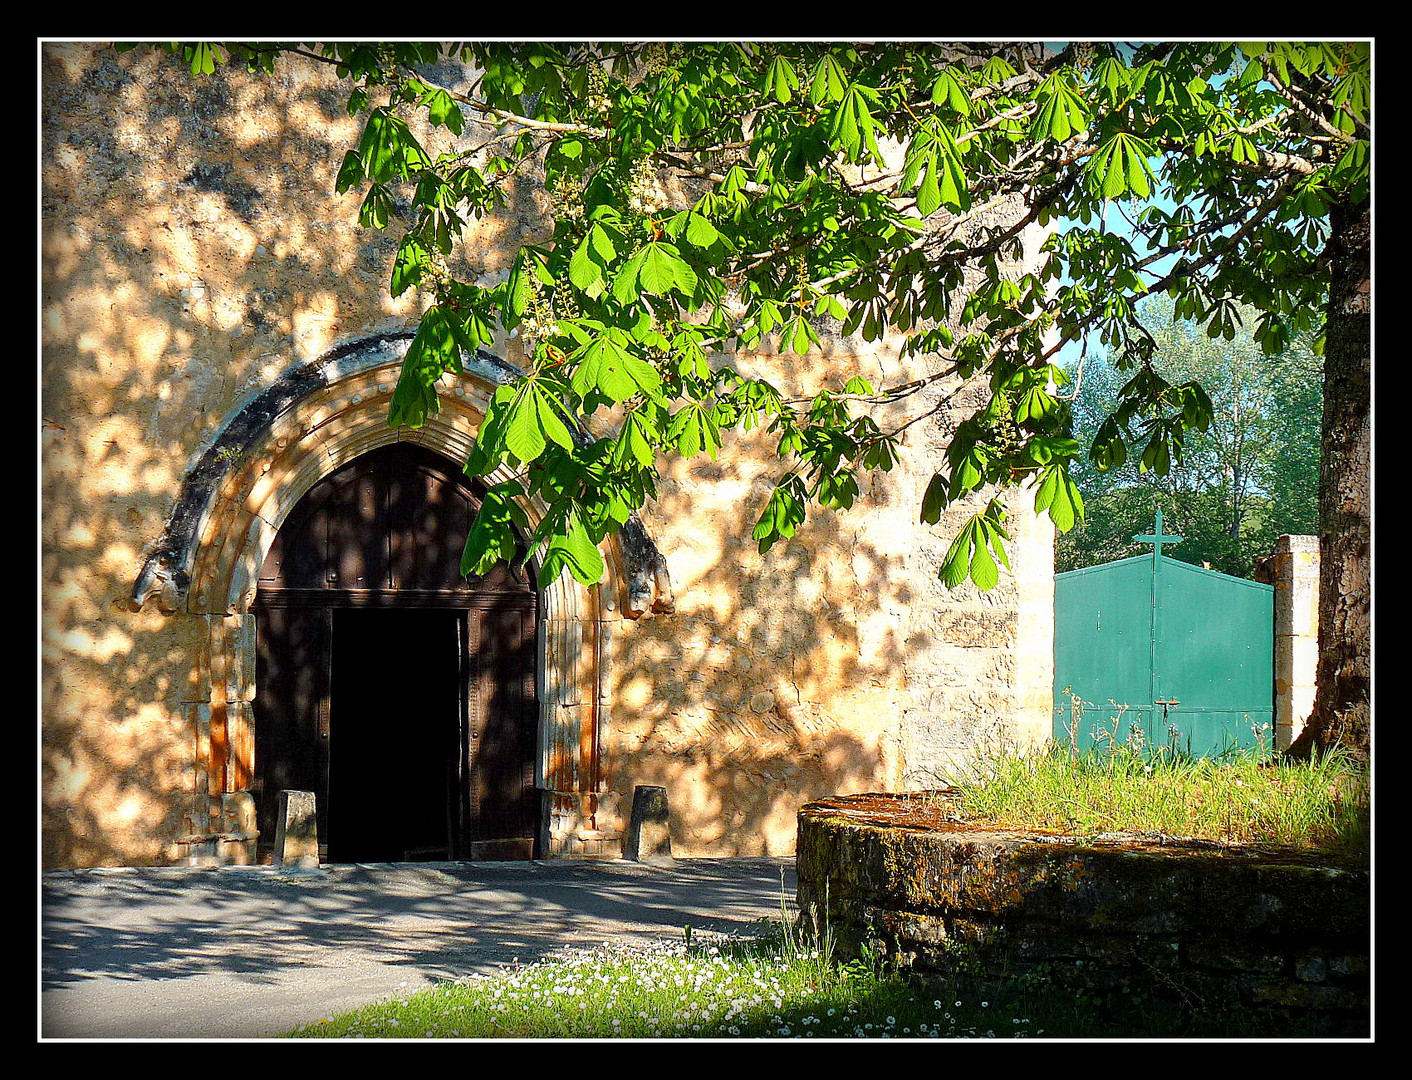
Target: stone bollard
297, 832
239, 829
649, 836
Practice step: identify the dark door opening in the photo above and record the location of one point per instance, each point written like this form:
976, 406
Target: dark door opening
395, 735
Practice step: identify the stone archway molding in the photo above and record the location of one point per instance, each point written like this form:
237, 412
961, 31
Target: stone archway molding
277, 414
315, 417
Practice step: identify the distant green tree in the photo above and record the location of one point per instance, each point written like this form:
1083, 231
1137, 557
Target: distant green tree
1292, 474
1235, 486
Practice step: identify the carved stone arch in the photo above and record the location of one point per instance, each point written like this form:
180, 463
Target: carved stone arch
273, 449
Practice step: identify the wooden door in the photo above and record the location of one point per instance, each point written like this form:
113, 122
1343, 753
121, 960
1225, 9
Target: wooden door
291, 710
398, 692
502, 734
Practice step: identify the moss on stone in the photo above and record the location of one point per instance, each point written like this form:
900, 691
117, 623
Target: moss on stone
1193, 923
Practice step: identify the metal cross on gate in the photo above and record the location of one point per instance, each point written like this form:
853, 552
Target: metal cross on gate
1157, 537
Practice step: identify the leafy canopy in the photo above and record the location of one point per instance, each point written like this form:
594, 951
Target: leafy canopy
708, 195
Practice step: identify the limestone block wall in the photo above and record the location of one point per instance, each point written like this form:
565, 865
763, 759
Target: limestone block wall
195, 253
836, 663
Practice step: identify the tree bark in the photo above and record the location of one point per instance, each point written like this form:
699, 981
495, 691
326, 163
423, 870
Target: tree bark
1341, 715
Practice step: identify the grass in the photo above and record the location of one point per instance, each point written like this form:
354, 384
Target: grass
767, 986
1243, 796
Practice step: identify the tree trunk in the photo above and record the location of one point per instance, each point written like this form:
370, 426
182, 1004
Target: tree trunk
1342, 702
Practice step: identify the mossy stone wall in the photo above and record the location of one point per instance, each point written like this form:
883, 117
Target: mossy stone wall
1282, 936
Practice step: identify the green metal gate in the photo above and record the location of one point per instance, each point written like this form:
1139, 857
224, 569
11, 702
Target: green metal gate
1156, 650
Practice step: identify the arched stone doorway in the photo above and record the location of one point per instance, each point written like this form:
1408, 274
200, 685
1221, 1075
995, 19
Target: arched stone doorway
236, 496
399, 692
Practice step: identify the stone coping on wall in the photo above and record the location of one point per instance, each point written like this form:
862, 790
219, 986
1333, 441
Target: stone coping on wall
1284, 935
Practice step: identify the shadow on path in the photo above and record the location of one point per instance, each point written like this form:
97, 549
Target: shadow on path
237, 952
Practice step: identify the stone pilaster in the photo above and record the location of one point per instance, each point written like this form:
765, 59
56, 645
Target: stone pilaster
1293, 570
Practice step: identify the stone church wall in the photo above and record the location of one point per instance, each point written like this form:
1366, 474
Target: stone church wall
193, 253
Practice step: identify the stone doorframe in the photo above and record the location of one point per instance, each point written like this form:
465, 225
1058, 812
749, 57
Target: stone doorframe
273, 448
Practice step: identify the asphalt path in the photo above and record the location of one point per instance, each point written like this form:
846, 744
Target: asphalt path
253, 952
